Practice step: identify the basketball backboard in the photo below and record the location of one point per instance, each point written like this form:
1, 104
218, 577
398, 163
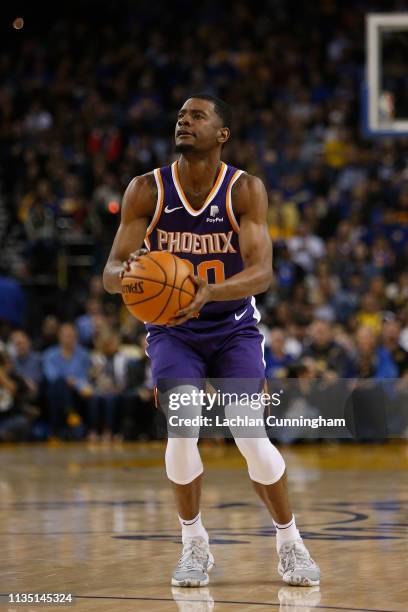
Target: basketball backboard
385, 90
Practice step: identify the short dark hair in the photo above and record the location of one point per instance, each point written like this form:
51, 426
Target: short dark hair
222, 109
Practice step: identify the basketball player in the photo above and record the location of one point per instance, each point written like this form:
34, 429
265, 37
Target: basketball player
213, 215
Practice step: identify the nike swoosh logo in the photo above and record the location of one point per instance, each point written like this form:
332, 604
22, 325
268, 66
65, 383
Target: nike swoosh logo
169, 210
238, 317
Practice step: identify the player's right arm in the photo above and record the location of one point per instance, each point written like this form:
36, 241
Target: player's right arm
138, 206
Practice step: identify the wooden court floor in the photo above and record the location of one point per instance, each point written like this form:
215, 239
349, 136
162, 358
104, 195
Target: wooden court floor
99, 522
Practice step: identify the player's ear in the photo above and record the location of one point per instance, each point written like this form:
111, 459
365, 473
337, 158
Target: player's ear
223, 135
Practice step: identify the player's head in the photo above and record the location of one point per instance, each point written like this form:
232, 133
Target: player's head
203, 124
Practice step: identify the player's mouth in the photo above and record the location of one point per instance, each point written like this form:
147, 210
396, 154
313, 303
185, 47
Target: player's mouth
182, 133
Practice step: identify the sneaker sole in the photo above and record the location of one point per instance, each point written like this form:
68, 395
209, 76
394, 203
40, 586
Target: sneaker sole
301, 581
190, 583
298, 580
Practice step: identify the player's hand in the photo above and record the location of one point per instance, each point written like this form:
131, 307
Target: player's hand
132, 257
202, 296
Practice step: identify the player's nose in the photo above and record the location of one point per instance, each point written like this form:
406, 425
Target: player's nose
183, 121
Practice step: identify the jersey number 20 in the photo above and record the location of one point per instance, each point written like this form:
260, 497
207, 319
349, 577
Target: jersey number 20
204, 267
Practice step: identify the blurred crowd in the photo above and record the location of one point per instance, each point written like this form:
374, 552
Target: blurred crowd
89, 100
76, 380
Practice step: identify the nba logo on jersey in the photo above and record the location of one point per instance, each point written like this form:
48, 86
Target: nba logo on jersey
214, 210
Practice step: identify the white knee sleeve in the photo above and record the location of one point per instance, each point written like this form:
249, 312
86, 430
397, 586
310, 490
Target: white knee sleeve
265, 463
183, 461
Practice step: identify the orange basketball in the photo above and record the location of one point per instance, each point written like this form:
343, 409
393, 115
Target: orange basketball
157, 287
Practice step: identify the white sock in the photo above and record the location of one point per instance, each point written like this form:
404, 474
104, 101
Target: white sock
192, 528
286, 533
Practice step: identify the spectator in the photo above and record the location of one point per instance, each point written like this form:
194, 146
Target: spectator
397, 291
305, 247
276, 358
87, 323
300, 304
41, 248
295, 340
382, 255
369, 314
108, 377
326, 353
27, 362
66, 369
49, 333
360, 264
287, 272
369, 361
139, 416
377, 288
347, 299
15, 414
323, 308
391, 346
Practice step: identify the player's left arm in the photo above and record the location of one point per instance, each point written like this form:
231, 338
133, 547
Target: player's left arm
250, 202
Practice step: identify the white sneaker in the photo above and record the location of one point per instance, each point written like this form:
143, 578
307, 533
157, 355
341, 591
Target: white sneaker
194, 564
296, 566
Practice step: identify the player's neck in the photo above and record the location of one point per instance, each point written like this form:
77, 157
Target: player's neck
198, 173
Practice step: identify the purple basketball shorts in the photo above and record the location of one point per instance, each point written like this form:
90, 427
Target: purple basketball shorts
229, 346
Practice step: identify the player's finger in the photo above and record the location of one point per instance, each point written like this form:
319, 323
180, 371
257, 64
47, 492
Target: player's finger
184, 315
192, 308
125, 268
136, 254
196, 280
184, 312
181, 316
177, 319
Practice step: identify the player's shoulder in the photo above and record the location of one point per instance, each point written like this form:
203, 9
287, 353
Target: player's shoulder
248, 181
143, 183
141, 194
246, 190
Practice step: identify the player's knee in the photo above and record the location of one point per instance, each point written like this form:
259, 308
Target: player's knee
265, 463
183, 461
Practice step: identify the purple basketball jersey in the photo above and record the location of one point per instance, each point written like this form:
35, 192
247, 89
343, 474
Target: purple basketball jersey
207, 237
